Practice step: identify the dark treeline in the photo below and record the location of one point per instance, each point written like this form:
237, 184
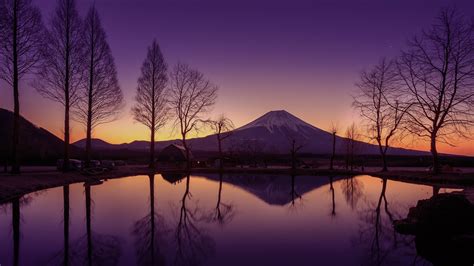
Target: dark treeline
427, 92
70, 62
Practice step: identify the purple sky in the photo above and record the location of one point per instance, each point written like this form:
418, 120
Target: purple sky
301, 56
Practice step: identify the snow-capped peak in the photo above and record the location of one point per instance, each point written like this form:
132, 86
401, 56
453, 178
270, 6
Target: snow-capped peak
278, 119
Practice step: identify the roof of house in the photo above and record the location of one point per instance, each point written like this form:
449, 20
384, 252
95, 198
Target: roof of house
166, 151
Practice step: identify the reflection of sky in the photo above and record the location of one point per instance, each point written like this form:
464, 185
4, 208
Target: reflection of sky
265, 55
270, 234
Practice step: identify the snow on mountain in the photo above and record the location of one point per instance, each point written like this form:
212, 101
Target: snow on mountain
273, 132
275, 120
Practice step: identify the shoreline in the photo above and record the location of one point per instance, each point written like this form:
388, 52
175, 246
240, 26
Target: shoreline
12, 186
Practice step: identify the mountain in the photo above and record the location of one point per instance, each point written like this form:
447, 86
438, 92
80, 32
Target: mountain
272, 132
36, 143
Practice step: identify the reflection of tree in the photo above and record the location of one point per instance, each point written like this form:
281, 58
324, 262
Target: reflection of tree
16, 230
193, 245
333, 197
378, 234
99, 249
352, 189
150, 233
294, 195
223, 213
66, 256
16, 205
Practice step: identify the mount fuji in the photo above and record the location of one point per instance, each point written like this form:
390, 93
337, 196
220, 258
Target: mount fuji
273, 132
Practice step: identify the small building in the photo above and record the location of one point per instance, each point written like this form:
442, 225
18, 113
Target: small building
173, 157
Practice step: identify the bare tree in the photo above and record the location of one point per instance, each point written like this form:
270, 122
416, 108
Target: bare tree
101, 99
333, 131
351, 141
379, 106
222, 127
191, 96
151, 107
60, 76
438, 76
21, 31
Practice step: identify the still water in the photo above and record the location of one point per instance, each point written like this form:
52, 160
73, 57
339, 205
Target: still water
213, 220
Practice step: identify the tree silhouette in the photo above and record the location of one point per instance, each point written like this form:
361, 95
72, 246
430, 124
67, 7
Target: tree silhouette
437, 74
378, 235
21, 31
61, 73
16, 217
193, 245
333, 131
352, 145
68, 255
94, 248
151, 107
191, 96
101, 99
352, 190
223, 212
222, 127
333, 196
151, 234
379, 105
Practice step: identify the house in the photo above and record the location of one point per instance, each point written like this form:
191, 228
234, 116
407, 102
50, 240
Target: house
173, 157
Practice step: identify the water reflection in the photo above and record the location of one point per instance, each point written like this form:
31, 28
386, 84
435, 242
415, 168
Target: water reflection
63, 257
353, 191
193, 244
150, 234
223, 212
377, 235
16, 230
214, 220
333, 196
100, 249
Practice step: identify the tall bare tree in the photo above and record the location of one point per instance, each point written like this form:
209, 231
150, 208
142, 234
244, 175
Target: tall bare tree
101, 99
438, 76
222, 127
21, 31
62, 71
191, 96
379, 105
333, 131
151, 107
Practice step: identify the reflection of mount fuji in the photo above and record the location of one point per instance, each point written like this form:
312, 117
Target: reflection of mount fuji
274, 189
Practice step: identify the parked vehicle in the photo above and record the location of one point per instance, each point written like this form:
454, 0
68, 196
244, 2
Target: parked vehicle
74, 164
108, 164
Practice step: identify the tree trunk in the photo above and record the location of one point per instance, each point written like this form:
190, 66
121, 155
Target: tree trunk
221, 157
16, 97
188, 160
331, 165
434, 153
89, 103
66, 135
66, 95
151, 164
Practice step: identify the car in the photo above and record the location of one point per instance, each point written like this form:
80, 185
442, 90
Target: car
74, 164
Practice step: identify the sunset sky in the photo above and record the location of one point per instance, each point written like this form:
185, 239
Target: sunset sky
300, 56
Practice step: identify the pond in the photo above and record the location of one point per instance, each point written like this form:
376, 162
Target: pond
213, 220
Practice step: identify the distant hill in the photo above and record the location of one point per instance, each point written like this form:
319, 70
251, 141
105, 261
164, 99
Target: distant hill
271, 133
36, 143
